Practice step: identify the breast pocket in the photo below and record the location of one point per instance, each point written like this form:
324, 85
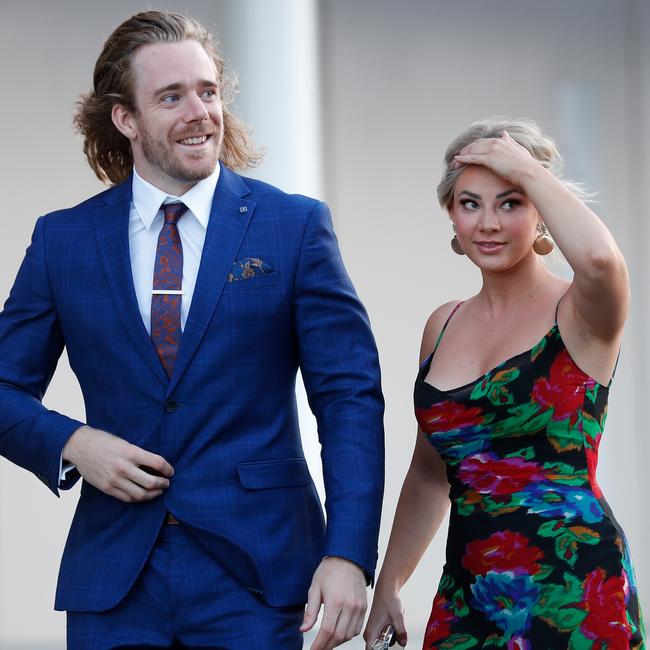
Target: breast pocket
254, 311
259, 281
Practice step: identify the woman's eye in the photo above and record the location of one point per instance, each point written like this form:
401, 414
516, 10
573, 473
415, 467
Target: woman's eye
468, 204
210, 93
510, 204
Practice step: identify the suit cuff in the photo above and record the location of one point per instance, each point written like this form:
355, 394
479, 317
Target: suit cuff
68, 474
57, 475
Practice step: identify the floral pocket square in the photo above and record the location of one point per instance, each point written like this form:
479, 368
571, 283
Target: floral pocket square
247, 268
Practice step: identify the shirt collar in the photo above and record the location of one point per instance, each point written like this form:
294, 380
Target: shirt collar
147, 198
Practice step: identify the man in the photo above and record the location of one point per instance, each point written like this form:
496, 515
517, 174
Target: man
187, 297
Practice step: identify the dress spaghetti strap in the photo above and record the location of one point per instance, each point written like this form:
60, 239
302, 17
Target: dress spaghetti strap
444, 327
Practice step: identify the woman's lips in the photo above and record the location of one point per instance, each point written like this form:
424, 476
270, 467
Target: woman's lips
489, 247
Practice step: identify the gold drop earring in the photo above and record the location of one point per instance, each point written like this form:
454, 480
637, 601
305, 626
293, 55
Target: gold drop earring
543, 243
455, 244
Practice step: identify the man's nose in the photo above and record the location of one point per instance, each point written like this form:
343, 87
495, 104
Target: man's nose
196, 109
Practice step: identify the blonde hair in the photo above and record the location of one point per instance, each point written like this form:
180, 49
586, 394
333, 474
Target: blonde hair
526, 132
107, 150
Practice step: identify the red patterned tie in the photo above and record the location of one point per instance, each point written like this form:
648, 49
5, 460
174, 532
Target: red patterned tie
167, 288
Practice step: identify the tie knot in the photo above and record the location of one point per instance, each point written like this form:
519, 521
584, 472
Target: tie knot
173, 212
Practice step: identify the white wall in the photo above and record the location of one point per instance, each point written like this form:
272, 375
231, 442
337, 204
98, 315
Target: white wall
398, 81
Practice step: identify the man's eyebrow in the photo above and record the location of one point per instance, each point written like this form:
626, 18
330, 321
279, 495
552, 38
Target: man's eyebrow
164, 89
178, 86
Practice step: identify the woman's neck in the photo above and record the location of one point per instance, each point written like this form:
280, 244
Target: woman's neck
511, 290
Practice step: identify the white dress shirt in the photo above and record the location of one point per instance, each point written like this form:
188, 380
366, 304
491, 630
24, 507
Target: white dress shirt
145, 224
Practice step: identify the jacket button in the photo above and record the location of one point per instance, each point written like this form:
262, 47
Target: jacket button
170, 406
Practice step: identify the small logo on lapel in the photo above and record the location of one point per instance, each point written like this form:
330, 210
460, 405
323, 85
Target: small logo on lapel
243, 208
247, 268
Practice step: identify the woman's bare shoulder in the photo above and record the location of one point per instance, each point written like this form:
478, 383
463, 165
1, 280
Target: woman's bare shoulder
434, 325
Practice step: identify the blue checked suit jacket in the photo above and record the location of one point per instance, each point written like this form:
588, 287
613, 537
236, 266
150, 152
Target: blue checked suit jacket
226, 420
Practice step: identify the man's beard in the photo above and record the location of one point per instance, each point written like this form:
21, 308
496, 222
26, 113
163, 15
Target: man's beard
158, 153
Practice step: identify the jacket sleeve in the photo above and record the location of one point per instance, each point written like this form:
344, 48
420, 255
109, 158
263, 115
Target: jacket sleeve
340, 368
31, 343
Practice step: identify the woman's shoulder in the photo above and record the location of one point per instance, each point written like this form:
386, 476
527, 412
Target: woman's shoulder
434, 325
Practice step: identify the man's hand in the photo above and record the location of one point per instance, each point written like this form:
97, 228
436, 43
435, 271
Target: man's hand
117, 467
341, 587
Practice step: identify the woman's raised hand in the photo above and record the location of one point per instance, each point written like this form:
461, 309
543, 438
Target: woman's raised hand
503, 156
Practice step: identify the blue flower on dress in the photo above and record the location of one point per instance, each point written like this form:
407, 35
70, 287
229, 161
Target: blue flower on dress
549, 500
507, 600
455, 445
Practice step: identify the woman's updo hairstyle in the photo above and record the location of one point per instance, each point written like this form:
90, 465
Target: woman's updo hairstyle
526, 132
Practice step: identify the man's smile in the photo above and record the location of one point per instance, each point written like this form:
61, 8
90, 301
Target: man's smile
197, 139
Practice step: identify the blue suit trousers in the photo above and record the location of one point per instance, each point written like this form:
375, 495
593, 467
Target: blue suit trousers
184, 598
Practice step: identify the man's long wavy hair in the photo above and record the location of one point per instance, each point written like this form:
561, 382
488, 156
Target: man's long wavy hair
107, 150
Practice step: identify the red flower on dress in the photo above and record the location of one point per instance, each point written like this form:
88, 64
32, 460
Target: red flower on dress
564, 388
489, 474
604, 601
447, 416
502, 551
592, 463
439, 625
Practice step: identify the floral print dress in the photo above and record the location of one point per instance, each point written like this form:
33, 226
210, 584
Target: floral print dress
535, 558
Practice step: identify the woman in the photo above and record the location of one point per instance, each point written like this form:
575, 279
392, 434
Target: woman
535, 558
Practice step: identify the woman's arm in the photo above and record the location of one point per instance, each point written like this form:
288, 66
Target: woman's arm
422, 505
600, 290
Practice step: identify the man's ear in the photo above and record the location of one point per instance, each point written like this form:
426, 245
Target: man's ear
124, 121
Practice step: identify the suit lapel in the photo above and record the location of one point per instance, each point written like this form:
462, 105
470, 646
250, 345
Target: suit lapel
112, 237
229, 219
